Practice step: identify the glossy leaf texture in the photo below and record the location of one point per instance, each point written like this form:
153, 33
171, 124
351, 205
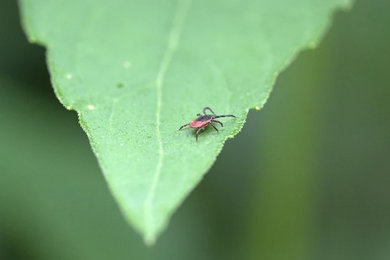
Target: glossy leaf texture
137, 70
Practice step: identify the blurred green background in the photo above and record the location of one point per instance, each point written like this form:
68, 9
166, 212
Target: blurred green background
307, 178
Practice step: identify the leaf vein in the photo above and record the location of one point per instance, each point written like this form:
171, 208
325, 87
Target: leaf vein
173, 40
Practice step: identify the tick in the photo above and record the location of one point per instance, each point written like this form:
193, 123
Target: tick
202, 121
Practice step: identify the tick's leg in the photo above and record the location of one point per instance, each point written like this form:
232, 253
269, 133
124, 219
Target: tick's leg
197, 131
218, 122
198, 115
225, 116
216, 129
207, 108
183, 126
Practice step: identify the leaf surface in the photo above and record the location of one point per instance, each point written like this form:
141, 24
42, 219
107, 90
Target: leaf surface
137, 70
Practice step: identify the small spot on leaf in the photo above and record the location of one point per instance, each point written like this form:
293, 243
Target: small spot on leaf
127, 64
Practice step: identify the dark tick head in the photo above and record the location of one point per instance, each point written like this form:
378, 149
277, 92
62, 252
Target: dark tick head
205, 118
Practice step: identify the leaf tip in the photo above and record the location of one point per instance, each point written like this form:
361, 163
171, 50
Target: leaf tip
149, 240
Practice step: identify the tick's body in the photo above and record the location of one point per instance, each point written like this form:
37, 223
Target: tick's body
202, 121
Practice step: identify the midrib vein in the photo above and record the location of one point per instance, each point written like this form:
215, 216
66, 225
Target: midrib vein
173, 40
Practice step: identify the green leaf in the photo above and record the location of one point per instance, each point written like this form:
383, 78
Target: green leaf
137, 70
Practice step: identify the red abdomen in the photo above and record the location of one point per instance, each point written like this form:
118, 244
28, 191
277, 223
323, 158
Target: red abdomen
198, 124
